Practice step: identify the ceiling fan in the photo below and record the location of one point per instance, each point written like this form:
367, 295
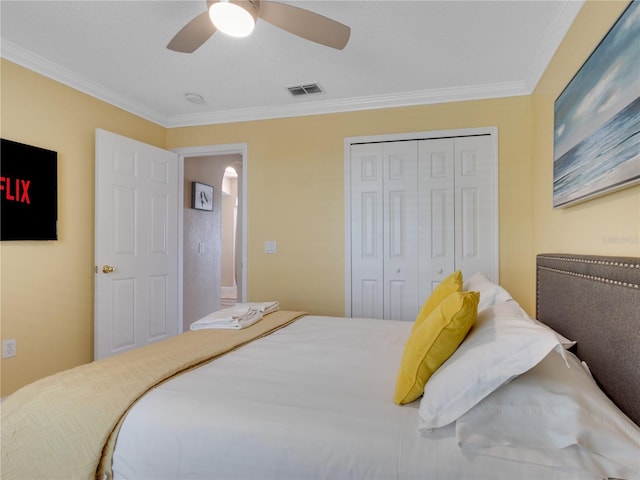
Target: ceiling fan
238, 17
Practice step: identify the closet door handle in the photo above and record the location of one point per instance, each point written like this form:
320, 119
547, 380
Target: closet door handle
440, 270
397, 270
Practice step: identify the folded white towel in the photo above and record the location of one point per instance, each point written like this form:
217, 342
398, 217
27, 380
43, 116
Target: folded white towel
239, 316
227, 322
263, 307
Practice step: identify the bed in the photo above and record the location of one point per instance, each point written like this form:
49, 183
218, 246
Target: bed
303, 396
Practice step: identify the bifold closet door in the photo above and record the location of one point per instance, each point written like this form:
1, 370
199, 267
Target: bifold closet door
420, 209
400, 185
457, 224
476, 207
367, 231
436, 222
384, 211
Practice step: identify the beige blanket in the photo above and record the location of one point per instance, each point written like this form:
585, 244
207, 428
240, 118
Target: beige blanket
65, 426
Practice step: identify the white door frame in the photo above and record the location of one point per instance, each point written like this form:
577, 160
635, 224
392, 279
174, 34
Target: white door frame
206, 151
393, 137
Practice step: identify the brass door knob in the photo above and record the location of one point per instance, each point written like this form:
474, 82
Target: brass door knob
108, 269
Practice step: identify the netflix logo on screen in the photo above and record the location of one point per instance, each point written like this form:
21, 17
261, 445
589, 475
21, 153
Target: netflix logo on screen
28, 192
15, 193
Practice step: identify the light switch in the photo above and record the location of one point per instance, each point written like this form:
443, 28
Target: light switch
200, 247
270, 246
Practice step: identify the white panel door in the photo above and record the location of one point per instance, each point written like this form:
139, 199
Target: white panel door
476, 207
367, 231
400, 186
136, 235
384, 199
436, 225
419, 210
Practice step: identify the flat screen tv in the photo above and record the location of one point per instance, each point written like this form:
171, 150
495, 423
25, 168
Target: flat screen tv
28, 192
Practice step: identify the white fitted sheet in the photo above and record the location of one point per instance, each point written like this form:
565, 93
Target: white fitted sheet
312, 400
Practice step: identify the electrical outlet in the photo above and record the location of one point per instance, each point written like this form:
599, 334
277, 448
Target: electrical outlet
9, 348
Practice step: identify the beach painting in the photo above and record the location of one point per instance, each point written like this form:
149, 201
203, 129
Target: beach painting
596, 147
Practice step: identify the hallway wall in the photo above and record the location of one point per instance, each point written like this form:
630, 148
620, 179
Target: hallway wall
202, 239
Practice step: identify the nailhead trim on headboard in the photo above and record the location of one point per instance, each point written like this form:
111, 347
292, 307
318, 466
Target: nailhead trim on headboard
598, 279
598, 262
595, 300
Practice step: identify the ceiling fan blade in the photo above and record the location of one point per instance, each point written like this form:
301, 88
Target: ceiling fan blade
305, 23
193, 34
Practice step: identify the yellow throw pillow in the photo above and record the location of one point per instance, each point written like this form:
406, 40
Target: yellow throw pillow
453, 283
433, 341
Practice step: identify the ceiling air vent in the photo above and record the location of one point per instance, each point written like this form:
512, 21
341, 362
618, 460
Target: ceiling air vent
307, 89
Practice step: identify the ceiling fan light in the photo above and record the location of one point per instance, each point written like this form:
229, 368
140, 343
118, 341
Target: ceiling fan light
233, 18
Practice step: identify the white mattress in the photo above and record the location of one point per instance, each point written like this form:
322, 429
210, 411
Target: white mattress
313, 400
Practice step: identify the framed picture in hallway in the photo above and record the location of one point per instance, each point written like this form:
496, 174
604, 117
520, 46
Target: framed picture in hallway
597, 119
201, 196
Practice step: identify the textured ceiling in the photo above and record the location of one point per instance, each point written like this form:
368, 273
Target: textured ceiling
400, 53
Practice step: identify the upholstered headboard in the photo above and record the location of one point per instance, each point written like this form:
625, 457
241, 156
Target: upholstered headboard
595, 300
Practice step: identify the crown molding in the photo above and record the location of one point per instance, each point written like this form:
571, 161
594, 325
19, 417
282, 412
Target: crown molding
44, 67
552, 40
425, 97
60, 74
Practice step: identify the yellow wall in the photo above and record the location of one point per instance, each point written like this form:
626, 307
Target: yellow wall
46, 299
296, 192
608, 225
296, 197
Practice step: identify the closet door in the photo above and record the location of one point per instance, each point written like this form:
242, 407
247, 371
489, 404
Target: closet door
400, 184
476, 208
420, 209
367, 231
436, 222
457, 225
384, 248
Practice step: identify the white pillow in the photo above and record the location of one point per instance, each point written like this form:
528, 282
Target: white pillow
490, 292
501, 345
554, 415
566, 343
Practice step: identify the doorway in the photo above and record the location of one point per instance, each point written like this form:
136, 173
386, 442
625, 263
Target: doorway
204, 237
228, 247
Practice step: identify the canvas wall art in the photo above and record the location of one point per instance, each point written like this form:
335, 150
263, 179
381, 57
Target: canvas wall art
597, 118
